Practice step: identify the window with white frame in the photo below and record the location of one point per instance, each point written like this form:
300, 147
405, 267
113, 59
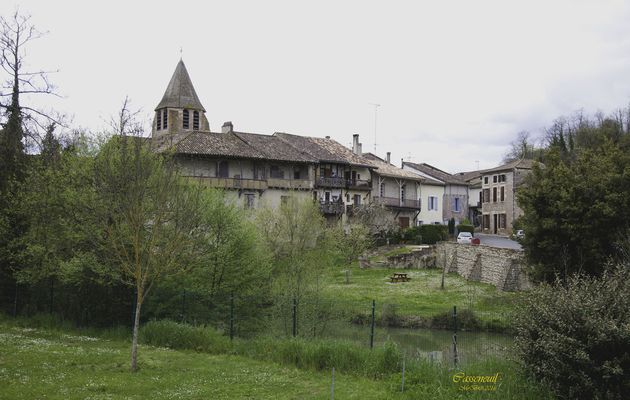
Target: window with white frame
433, 203
456, 204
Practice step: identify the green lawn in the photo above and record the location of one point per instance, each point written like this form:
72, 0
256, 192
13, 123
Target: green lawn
37, 364
421, 296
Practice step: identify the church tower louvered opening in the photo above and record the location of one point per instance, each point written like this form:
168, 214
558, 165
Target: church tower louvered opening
180, 109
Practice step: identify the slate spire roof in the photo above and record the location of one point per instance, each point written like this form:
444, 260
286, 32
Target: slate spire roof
180, 92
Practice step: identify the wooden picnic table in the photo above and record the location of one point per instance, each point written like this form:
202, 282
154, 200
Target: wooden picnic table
399, 277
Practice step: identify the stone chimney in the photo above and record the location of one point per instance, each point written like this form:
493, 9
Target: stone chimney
389, 155
227, 127
355, 143
360, 149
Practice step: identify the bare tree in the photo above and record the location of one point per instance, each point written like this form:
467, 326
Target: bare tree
126, 122
522, 148
24, 123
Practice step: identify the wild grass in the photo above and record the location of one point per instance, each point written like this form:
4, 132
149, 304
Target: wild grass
38, 363
183, 336
323, 355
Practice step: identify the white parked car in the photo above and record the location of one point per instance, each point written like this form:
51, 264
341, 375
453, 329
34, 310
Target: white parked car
464, 237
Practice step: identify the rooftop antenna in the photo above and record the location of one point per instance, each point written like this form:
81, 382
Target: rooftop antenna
376, 106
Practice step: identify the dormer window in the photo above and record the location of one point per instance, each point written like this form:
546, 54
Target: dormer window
159, 120
164, 118
196, 120
186, 119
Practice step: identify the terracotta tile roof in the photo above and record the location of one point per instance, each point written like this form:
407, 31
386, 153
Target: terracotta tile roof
436, 173
324, 150
470, 175
212, 144
389, 170
522, 164
274, 148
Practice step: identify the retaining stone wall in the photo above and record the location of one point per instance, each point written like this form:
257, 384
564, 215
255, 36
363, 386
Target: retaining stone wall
503, 268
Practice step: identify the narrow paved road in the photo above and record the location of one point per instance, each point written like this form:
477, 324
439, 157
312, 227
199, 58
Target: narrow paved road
498, 241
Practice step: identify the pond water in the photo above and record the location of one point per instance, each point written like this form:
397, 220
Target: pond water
432, 344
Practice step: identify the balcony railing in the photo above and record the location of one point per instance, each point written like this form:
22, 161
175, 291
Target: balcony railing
335, 208
231, 183
400, 203
296, 184
343, 183
331, 182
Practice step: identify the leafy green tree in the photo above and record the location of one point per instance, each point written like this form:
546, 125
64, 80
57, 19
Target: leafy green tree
349, 242
235, 258
574, 211
20, 124
152, 219
235, 263
60, 243
296, 235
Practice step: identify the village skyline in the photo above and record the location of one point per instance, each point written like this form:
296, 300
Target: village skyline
450, 95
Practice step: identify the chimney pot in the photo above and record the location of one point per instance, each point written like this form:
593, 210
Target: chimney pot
355, 143
389, 154
227, 127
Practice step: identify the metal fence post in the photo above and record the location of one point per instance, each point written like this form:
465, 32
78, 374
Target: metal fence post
52, 293
294, 317
232, 316
372, 327
332, 386
402, 387
15, 300
184, 306
455, 356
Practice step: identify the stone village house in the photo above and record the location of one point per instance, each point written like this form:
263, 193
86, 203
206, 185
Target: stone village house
473, 179
398, 190
454, 196
499, 185
258, 170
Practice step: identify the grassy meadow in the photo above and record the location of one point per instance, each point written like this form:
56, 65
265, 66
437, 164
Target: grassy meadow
36, 364
420, 297
65, 364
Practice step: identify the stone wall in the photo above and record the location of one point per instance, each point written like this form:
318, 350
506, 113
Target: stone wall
503, 268
419, 257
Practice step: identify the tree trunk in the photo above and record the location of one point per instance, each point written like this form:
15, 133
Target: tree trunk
134, 340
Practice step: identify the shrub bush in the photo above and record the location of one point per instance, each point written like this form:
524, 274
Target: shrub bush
576, 336
466, 321
174, 335
465, 228
431, 234
451, 226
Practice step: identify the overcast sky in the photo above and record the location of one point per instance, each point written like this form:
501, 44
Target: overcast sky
456, 80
